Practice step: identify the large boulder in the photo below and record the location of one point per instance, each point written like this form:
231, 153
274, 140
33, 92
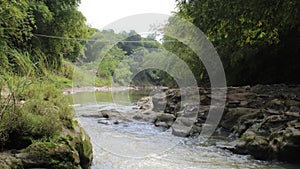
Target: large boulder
72, 149
182, 126
82, 144
49, 155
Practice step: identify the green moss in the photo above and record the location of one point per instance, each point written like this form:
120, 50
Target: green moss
84, 147
54, 155
8, 162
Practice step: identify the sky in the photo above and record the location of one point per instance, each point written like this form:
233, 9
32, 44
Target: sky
100, 13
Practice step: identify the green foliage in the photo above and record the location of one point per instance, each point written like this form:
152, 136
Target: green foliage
99, 44
131, 42
31, 110
189, 57
251, 37
33, 26
15, 23
62, 19
114, 57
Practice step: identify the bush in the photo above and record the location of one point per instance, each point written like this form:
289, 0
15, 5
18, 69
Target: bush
32, 110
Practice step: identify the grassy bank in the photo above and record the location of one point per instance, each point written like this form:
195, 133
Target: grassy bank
36, 121
32, 108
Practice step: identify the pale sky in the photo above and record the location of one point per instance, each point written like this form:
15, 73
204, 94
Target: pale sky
100, 13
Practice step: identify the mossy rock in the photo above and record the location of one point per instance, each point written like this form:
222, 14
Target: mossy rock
49, 155
82, 144
292, 103
84, 148
9, 162
289, 146
235, 115
72, 150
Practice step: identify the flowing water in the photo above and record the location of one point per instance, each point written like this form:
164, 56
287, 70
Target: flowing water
141, 145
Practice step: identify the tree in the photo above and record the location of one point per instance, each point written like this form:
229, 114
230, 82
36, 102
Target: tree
46, 29
251, 36
58, 19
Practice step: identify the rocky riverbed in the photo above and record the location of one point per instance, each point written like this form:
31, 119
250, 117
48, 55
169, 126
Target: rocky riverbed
263, 120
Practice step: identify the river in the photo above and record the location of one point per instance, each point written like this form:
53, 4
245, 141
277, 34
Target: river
131, 145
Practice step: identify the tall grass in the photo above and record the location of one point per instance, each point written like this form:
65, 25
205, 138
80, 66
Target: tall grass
32, 107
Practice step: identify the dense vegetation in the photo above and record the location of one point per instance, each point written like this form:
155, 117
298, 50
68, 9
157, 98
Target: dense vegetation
258, 40
118, 57
36, 38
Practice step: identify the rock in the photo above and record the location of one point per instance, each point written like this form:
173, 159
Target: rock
276, 104
149, 117
255, 145
110, 114
173, 101
290, 103
295, 108
7, 161
240, 115
165, 120
272, 124
71, 149
93, 115
227, 145
104, 114
105, 121
205, 100
289, 145
196, 130
233, 104
145, 103
182, 126
159, 102
49, 155
83, 145
271, 139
